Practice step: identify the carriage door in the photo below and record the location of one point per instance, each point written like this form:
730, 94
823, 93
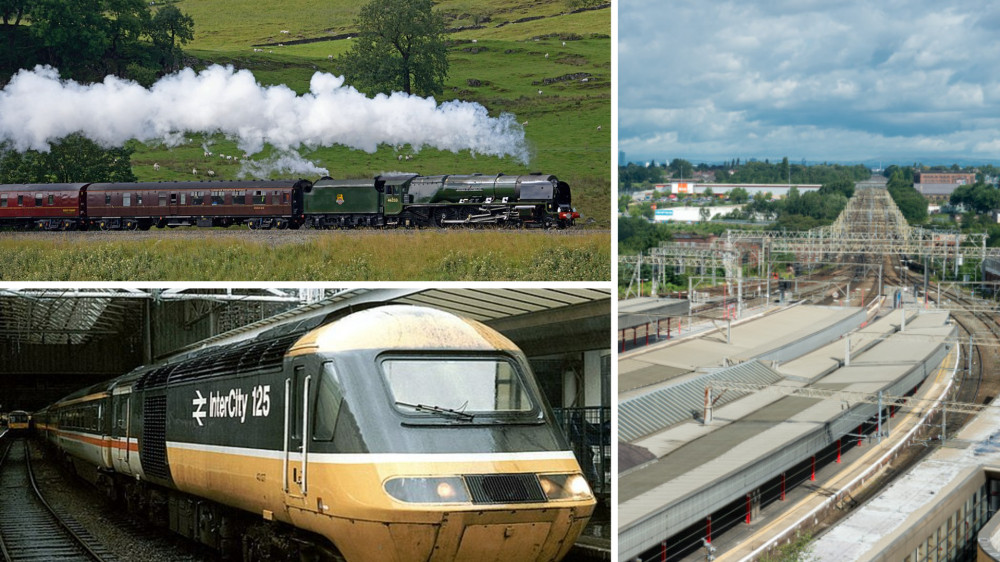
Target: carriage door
297, 414
122, 440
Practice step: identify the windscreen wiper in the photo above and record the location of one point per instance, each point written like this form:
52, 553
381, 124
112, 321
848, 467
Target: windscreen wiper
459, 415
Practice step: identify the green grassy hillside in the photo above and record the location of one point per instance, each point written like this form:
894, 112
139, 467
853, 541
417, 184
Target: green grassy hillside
567, 125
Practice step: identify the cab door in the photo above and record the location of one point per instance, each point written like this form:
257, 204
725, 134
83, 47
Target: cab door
393, 200
124, 445
295, 449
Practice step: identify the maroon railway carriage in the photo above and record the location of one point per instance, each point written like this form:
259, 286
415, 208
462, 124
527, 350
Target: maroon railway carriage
49, 206
259, 204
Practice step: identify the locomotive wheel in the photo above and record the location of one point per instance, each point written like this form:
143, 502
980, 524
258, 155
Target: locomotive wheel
251, 225
132, 225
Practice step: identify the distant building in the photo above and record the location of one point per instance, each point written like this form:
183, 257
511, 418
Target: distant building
940, 185
940, 177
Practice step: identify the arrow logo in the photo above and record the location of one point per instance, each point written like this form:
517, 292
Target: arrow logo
200, 403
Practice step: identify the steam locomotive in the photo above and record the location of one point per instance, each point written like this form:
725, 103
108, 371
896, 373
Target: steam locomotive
406, 200
394, 433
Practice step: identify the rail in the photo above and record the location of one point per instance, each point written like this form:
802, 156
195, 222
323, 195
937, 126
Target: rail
30, 528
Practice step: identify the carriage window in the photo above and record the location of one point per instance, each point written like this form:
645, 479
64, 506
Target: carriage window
138, 199
52, 199
196, 198
107, 198
183, 198
259, 197
38, 200
3, 200
239, 197
467, 384
218, 198
173, 198
20, 200
284, 197
126, 199
163, 199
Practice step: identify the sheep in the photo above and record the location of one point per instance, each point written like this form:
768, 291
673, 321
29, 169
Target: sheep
207, 154
598, 127
524, 123
585, 80
156, 167
285, 31
194, 171
539, 92
564, 43
230, 158
399, 158
210, 173
475, 41
546, 55
329, 57
409, 157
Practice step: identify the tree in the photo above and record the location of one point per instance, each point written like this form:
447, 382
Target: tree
843, 186
910, 202
71, 36
681, 168
170, 26
638, 235
127, 20
73, 159
400, 47
739, 195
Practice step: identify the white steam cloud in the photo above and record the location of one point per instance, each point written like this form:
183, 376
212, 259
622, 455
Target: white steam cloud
284, 163
37, 108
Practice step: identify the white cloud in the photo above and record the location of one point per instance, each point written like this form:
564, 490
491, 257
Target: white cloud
818, 80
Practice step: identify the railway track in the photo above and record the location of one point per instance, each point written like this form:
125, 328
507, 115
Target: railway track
29, 528
978, 384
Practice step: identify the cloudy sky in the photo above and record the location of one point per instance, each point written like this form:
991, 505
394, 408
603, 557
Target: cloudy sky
898, 81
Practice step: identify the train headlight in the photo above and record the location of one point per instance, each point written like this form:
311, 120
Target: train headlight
437, 489
565, 486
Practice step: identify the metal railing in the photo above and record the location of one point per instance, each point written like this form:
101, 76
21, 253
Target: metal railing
588, 430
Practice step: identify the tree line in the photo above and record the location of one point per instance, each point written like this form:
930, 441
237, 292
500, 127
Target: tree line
634, 176
90, 39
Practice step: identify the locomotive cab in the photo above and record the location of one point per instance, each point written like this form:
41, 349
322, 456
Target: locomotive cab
431, 437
